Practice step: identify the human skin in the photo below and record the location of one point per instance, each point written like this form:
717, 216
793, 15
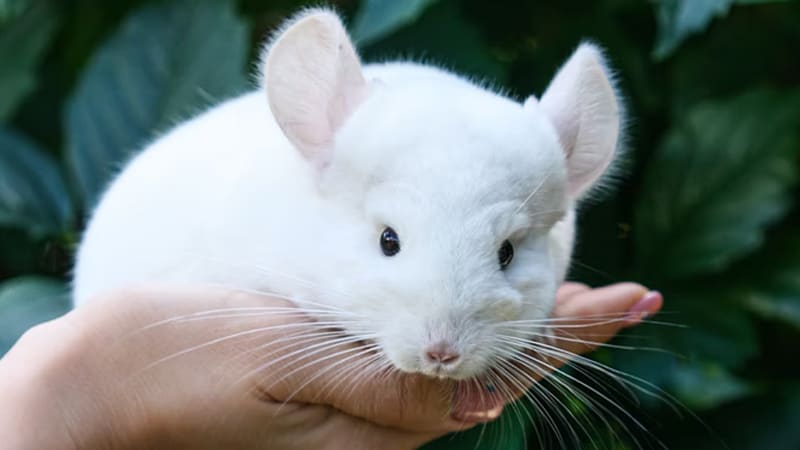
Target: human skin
123, 373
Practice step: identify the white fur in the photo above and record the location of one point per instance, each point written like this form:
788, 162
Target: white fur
261, 192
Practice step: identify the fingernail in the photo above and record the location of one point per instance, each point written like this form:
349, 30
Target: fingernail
648, 304
473, 417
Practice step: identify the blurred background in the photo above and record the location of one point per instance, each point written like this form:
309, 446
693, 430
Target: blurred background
706, 209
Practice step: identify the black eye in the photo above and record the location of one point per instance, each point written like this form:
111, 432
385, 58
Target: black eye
390, 243
505, 254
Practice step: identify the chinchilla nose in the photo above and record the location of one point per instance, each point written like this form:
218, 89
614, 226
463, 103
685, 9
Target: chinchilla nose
442, 353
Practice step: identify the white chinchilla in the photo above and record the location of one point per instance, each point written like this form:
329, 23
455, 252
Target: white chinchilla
435, 211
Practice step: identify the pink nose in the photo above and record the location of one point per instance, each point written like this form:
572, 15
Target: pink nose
442, 353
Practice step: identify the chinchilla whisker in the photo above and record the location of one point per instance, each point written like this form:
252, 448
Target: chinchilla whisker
310, 350
480, 390
624, 379
340, 375
497, 380
296, 343
591, 343
515, 374
501, 380
607, 276
301, 337
563, 387
244, 312
522, 357
621, 314
261, 309
535, 189
224, 339
381, 369
545, 326
572, 318
530, 395
262, 292
386, 369
359, 352
355, 372
211, 313
324, 369
612, 373
507, 371
317, 348
567, 322
361, 369
286, 342
274, 272
286, 314
552, 353
599, 410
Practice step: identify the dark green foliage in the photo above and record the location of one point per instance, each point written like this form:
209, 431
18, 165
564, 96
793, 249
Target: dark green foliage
21, 46
707, 211
28, 300
33, 195
720, 160
162, 64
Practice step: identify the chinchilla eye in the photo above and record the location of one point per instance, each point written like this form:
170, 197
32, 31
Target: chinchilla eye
390, 243
505, 254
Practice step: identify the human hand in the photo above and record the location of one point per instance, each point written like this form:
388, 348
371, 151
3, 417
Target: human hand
154, 367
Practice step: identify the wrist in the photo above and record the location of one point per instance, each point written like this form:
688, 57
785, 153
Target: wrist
29, 397
59, 400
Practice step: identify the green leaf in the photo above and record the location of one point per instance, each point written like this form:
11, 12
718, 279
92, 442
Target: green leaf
33, 195
22, 44
443, 36
705, 386
703, 334
722, 175
508, 432
759, 2
679, 19
11, 9
717, 329
27, 301
166, 62
769, 284
378, 18
768, 421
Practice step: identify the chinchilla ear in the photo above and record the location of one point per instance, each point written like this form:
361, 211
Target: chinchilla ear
584, 107
313, 79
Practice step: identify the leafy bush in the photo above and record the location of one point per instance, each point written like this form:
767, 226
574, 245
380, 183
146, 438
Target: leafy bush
707, 212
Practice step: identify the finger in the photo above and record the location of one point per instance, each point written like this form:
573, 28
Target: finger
569, 289
593, 317
270, 425
410, 402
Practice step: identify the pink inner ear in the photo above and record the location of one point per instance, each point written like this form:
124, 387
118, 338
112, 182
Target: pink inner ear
351, 89
583, 108
314, 83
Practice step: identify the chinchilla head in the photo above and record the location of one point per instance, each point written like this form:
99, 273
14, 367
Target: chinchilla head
459, 200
